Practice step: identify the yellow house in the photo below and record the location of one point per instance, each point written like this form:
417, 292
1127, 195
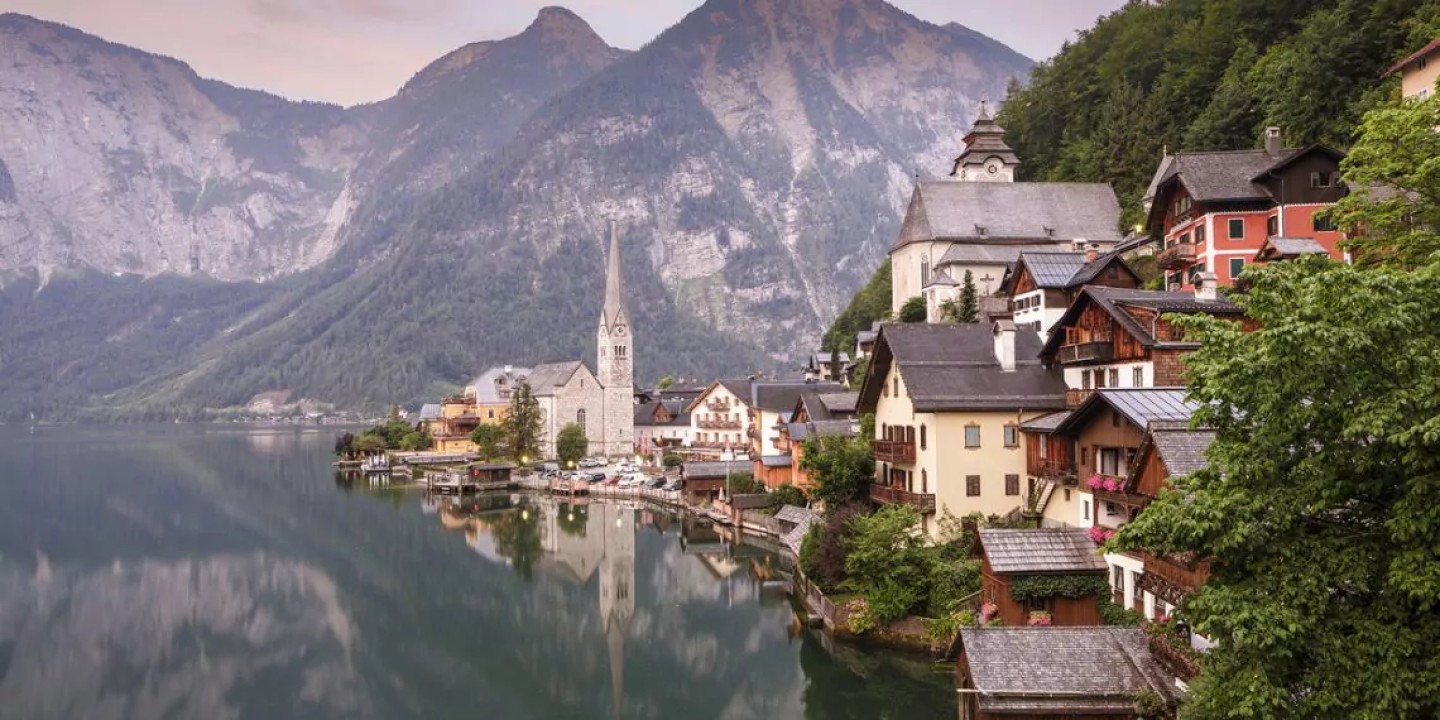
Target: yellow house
491, 392
948, 403
1419, 71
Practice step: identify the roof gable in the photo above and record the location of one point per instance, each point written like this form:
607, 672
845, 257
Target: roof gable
948, 368
1141, 406
1062, 670
738, 387
1040, 551
997, 212
1111, 301
544, 380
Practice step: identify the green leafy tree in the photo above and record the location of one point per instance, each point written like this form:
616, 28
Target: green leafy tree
345, 445
369, 443
1393, 211
672, 460
788, 494
841, 467
887, 561
743, 484
571, 444
869, 305
913, 311
523, 425
665, 382
489, 440
967, 310
1318, 505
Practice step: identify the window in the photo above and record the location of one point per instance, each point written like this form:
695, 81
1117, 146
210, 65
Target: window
896, 389
1114, 418
1323, 222
1237, 228
1183, 205
972, 436
1044, 446
972, 485
1012, 436
924, 272
1109, 461
1099, 379
1236, 266
1114, 377
1085, 510
580, 418
1084, 456
924, 481
1324, 180
1175, 280
1118, 581
922, 437
1084, 379
1199, 234
1272, 225
492, 414
1067, 494
1137, 377
1184, 239
1012, 484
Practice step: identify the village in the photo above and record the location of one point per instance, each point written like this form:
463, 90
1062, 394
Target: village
1024, 400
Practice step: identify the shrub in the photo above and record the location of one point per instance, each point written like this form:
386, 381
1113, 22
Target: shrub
671, 460
949, 581
788, 494
828, 557
744, 484
888, 562
1113, 614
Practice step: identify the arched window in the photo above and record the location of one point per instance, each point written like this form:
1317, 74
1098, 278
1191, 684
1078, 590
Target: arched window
580, 418
924, 270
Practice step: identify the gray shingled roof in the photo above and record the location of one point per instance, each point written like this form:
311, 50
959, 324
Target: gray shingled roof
715, 469
1282, 248
645, 413
1058, 670
1183, 451
487, 392
821, 359
840, 402
1225, 175
1047, 550
781, 396
544, 379
953, 367
1015, 211
803, 518
775, 460
1112, 300
971, 253
822, 428
1046, 423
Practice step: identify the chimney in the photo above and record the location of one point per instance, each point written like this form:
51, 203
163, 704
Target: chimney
1205, 283
1272, 141
1092, 253
1004, 330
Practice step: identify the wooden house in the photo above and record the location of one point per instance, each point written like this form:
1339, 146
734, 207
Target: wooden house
1016, 558
1044, 283
1057, 673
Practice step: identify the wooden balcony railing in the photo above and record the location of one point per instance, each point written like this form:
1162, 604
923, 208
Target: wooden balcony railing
898, 451
1176, 256
1054, 469
719, 424
1098, 349
1171, 580
1173, 659
718, 407
886, 495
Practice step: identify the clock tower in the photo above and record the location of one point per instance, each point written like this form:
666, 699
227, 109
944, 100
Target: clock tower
986, 158
615, 361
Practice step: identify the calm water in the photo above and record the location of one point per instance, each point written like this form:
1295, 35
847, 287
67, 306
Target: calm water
184, 572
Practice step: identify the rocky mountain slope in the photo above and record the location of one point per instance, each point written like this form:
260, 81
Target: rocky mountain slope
756, 156
124, 161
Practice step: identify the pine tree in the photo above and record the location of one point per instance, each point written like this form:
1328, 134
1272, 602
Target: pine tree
969, 307
522, 427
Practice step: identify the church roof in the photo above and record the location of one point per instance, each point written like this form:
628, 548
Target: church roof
1010, 213
544, 379
490, 390
985, 140
614, 301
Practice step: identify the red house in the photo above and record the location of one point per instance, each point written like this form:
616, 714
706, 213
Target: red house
1216, 210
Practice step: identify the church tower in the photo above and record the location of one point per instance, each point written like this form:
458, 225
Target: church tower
615, 361
617, 591
986, 158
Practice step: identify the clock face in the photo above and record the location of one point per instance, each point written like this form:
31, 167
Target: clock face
992, 168
620, 331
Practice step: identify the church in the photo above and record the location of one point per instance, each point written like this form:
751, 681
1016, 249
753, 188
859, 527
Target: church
981, 219
600, 402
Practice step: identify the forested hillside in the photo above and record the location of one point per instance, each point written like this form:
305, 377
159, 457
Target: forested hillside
871, 303
1206, 74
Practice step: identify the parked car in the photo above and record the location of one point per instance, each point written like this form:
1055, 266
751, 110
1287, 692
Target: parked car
597, 477
613, 480
657, 483
671, 485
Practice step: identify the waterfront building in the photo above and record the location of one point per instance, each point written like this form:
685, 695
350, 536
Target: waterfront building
1419, 71
1044, 673
949, 401
980, 220
720, 419
662, 425
492, 390
816, 414
1215, 211
1010, 556
772, 407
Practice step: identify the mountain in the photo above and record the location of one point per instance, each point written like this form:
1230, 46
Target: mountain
124, 161
755, 155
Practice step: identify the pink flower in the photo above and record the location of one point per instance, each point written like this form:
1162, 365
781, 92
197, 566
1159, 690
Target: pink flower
1039, 618
1095, 482
1111, 485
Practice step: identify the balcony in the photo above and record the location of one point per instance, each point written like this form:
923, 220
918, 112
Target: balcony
719, 424
717, 407
1176, 256
1096, 349
1172, 580
886, 495
1053, 469
1172, 655
895, 451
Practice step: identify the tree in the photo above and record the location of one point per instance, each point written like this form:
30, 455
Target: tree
488, 440
345, 445
822, 554
665, 382
1393, 211
743, 484
571, 444
788, 494
836, 368
1318, 505
870, 304
841, 467
967, 310
913, 311
523, 426
887, 561
672, 460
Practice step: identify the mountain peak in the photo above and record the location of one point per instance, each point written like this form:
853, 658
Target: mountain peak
555, 22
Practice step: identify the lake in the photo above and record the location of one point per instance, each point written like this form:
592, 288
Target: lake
220, 572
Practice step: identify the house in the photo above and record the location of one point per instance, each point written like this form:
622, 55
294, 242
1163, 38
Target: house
981, 220
1419, 71
1213, 211
720, 419
492, 391
825, 367
704, 481
662, 425
567, 393
772, 404
816, 414
1119, 337
948, 403
1061, 673
451, 429
1042, 284
1011, 559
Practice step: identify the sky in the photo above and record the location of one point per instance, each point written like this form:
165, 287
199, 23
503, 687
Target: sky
354, 51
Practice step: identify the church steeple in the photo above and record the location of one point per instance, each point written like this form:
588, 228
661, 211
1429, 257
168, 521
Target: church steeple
615, 366
986, 156
614, 312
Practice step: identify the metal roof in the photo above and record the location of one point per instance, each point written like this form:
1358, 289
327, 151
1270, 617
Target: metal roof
1143, 405
1046, 423
1062, 670
969, 253
1047, 550
1280, 248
